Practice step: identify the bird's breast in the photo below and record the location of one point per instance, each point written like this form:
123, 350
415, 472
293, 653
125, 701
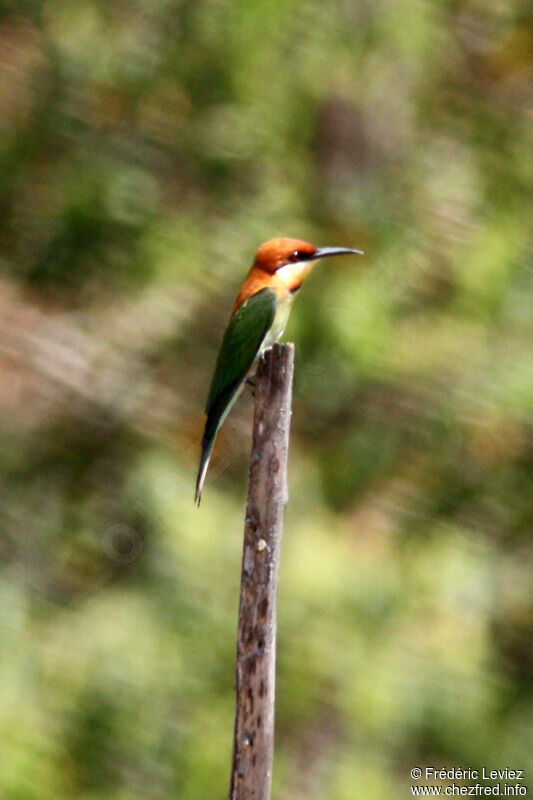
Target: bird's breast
283, 309
286, 280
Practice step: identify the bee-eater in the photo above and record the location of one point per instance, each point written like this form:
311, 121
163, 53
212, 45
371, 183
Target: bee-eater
258, 320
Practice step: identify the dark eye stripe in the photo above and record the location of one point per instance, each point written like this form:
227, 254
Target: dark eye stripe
299, 255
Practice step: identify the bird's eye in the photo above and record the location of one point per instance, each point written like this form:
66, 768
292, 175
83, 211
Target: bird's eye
299, 255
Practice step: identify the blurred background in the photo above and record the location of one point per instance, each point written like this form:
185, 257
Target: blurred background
147, 148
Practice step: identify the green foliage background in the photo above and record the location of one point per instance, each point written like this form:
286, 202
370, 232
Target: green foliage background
147, 148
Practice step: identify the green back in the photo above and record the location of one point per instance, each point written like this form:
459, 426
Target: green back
239, 348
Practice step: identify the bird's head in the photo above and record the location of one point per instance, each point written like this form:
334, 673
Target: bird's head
278, 253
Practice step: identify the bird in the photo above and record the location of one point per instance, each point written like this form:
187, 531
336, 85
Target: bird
257, 321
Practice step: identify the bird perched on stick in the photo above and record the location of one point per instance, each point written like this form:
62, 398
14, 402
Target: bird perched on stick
258, 320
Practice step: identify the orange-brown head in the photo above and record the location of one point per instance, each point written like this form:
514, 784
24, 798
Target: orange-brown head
277, 252
283, 264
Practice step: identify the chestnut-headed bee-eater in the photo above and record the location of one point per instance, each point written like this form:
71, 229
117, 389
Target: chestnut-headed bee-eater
258, 320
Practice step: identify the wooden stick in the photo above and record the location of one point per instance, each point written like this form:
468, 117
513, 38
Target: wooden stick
253, 745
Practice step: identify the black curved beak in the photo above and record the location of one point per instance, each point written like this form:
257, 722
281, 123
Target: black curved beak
322, 252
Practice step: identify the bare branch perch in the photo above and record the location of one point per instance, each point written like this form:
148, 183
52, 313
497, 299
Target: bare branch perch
256, 646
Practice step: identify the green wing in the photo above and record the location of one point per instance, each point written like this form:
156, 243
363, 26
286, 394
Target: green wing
240, 346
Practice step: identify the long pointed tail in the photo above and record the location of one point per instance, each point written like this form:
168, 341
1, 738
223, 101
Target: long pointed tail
216, 416
208, 442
